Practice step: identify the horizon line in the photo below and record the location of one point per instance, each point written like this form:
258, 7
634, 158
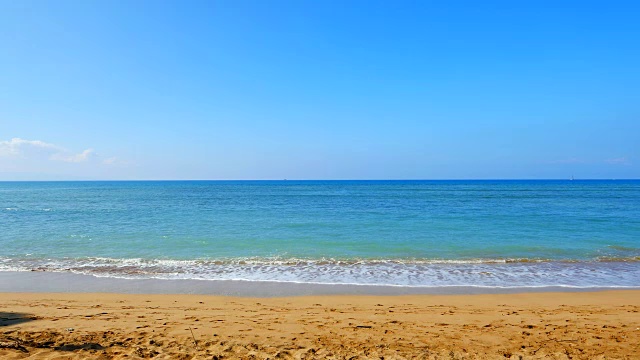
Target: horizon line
398, 179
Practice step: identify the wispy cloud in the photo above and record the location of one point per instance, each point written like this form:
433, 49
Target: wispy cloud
571, 160
74, 158
618, 161
115, 161
110, 161
576, 161
23, 148
17, 147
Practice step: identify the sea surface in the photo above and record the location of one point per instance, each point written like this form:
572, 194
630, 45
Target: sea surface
492, 234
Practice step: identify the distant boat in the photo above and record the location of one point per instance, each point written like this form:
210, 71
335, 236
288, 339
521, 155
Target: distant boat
572, 178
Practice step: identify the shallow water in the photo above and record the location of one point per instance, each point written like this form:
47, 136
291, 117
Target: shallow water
403, 233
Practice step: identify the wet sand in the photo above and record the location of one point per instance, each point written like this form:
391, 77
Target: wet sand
53, 282
589, 325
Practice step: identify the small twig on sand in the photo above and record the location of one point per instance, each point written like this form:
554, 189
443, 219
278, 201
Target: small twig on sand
194, 339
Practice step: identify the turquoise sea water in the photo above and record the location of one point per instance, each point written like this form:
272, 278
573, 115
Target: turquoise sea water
404, 233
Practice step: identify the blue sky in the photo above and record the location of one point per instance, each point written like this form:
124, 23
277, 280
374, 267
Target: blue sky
319, 89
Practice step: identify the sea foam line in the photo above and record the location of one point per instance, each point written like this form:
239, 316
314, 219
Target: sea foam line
390, 273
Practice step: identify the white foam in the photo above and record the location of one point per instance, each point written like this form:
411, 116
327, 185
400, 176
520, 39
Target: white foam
433, 273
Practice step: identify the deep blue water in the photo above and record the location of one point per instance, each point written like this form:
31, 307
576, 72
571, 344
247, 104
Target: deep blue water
409, 233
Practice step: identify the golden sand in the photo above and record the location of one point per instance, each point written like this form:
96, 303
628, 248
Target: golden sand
594, 325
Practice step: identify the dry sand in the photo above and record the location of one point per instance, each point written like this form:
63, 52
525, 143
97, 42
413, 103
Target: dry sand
593, 325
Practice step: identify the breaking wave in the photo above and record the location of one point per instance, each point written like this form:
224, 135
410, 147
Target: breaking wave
602, 272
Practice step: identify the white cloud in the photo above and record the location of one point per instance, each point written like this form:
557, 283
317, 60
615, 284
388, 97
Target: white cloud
18, 147
22, 148
74, 158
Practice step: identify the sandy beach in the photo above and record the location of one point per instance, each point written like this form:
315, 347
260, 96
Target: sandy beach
593, 325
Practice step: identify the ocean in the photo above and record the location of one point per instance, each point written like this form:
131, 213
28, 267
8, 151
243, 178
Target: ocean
431, 234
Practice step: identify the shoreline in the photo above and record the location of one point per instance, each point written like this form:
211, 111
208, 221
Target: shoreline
58, 282
588, 325
526, 274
